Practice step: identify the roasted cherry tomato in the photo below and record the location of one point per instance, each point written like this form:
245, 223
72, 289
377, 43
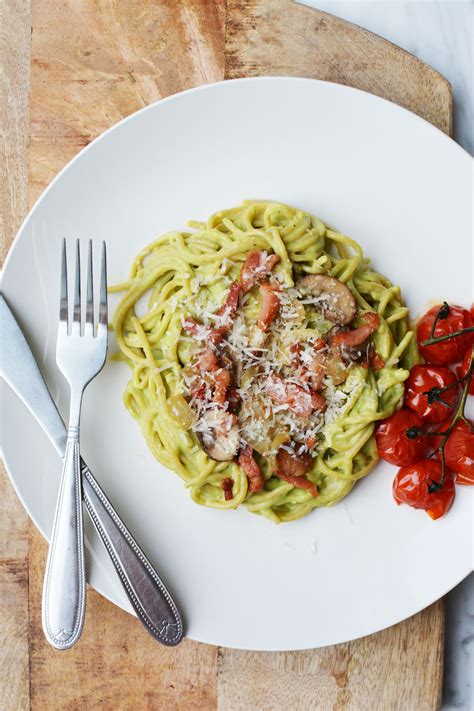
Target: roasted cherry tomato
394, 441
453, 318
411, 486
423, 378
459, 451
464, 367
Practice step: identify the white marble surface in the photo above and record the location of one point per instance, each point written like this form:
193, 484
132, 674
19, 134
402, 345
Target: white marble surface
440, 32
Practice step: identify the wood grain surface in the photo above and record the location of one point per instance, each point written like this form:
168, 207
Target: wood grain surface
269, 37
14, 528
92, 63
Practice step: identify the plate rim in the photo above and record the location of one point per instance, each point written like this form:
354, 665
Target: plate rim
174, 97
207, 87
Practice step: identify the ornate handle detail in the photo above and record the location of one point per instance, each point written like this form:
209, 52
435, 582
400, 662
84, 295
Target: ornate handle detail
64, 591
146, 591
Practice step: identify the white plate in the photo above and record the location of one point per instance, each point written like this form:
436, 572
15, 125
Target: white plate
381, 174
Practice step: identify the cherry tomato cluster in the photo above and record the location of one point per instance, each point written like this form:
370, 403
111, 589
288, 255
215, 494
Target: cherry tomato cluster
430, 438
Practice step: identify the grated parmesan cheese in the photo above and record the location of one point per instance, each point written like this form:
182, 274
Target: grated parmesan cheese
255, 357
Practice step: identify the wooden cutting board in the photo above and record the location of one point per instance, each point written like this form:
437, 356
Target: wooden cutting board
79, 66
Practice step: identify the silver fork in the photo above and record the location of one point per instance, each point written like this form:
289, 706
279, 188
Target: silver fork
80, 355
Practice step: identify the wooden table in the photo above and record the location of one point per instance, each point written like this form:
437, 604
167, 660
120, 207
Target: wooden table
68, 71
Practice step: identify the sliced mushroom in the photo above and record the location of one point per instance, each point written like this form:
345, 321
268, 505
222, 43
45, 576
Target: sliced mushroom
220, 441
337, 303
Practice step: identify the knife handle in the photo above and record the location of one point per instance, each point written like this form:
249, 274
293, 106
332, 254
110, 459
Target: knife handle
146, 591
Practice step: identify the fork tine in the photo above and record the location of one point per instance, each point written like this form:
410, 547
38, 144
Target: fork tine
90, 289
103, 288
63, 309
77, 287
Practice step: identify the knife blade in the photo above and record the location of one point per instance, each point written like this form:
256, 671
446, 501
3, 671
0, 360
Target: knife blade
20, 370
149, 596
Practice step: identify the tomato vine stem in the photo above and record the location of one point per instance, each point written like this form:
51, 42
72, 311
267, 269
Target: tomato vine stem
443, 313
439, 339
435, 486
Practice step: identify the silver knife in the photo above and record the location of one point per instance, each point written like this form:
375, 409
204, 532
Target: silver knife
146, 591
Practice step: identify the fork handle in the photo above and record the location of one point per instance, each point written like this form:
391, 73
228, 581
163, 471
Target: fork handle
64, 591
147, 593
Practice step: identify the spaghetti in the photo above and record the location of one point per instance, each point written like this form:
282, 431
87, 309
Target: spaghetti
187, 278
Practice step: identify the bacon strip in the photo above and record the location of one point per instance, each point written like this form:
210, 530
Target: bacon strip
300, 401
191, 326
229, 309
295, 351
204, 333
318, 370
228, 422
376, 361
299, 481
315, 372
257, 267
227, 486
251, 468
226, 312
222, 382
233, 398
293, 464
372, 359
198, 389
319, 344
357, 336
319, 402
208, 362
269, 306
